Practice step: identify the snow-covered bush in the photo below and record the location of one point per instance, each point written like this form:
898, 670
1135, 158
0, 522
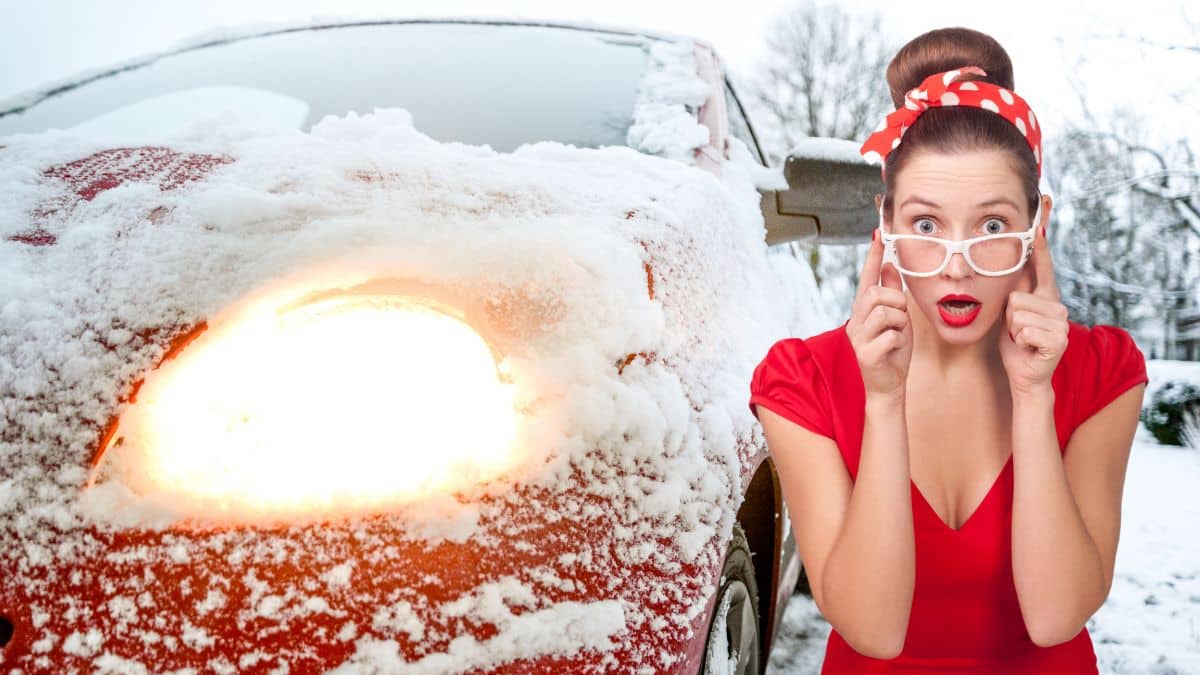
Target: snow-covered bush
1191, 428
1172, 413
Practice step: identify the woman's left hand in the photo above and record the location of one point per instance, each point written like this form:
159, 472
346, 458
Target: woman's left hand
1037, 323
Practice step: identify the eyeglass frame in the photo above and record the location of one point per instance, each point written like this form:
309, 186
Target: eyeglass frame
959, 246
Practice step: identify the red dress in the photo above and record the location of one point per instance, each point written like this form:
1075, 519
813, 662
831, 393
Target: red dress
965, 616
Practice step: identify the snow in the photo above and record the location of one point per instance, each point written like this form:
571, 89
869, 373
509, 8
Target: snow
663, 113
831, 149
399, 618
1150, 622
339, 576
563, 628
1162, 371
764, 178
83, 644
720, 662
561, 238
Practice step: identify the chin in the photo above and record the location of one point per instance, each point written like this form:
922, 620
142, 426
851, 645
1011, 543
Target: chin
962, 336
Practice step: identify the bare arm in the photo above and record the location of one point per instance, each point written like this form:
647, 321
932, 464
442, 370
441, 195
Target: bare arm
855, 538
1067, 512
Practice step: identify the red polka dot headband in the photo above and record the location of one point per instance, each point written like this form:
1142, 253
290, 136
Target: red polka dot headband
947, 89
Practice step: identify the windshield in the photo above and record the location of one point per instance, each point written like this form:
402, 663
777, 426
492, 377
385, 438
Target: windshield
484, 84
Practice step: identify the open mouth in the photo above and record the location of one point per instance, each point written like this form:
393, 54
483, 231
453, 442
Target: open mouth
959, 307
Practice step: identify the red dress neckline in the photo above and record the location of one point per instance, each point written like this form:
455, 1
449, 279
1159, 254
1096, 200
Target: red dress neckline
1002, 476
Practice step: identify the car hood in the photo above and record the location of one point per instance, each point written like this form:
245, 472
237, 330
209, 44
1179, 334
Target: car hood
624, 293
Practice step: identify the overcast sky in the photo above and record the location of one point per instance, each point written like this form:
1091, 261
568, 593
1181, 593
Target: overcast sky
52, 39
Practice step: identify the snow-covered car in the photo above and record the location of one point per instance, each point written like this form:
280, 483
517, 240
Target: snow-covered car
401, 346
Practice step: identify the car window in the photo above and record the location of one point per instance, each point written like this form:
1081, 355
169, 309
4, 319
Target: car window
739, 126
494, 84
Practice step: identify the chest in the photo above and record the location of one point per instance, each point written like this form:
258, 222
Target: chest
959, 446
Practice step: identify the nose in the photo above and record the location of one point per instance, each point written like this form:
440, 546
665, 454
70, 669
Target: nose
958, 267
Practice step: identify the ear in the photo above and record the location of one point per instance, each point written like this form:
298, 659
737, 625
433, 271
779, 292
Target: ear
1047, 206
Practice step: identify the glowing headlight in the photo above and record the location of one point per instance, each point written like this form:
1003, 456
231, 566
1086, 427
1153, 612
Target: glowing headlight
345, 403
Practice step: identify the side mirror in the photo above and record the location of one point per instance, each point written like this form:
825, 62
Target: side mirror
830, 196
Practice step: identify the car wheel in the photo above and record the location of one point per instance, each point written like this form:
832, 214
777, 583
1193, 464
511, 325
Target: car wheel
733, 644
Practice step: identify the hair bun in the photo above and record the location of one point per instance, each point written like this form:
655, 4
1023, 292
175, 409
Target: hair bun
946, 49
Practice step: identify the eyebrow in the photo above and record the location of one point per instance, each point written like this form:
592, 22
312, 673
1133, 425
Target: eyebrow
989, 202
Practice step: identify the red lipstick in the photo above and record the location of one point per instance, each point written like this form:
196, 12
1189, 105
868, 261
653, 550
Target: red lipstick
958, 310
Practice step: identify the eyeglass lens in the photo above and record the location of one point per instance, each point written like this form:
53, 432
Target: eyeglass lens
926, 254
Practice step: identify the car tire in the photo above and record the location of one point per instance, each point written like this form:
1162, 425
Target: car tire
734, 644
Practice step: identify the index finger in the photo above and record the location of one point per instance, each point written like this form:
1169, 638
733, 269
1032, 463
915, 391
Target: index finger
1044, 268
871, 270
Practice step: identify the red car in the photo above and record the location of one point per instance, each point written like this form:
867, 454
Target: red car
289, 385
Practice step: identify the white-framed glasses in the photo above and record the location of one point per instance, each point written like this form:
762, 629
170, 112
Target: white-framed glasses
992, 255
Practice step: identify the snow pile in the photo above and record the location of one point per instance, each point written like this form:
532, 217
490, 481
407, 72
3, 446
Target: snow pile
670, 93
629, 298
764, 178
828, 149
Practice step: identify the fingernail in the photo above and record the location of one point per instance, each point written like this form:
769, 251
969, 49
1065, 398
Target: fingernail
1043, 228
874, 234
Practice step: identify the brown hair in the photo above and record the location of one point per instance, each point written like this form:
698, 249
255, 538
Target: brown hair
958, 128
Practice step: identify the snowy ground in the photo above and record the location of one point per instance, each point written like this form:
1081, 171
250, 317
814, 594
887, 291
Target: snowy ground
1151, 621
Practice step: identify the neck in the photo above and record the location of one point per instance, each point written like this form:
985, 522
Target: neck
950, 362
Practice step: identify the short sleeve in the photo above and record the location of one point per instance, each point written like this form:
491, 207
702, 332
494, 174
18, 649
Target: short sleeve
788, 383
1113, 364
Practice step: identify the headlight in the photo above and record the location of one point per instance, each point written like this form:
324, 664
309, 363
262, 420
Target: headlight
345, 403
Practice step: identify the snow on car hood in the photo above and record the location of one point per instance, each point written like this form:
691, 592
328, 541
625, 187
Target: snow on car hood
655, 272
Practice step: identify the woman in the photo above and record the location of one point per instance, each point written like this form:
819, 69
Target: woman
953, 455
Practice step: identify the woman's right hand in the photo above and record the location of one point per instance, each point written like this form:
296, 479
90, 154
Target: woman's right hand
880, 329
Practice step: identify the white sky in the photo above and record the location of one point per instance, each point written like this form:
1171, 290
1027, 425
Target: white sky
52, 39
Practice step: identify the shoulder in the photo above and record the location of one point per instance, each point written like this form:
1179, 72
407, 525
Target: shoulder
1100, 342
790, 380
1110, 342
1103, 345
1106, 362
788, 350
789, 363
795, 356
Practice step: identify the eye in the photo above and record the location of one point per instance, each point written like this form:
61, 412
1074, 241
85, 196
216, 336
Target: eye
999, 224
919, 230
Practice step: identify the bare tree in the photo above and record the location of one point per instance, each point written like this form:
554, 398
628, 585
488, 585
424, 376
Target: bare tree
1130, 233
1125, 242
823, 76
